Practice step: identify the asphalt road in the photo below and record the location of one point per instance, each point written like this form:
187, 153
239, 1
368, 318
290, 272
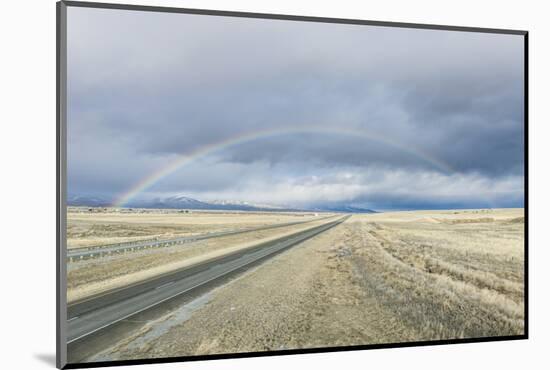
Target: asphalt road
98, 313
95, 252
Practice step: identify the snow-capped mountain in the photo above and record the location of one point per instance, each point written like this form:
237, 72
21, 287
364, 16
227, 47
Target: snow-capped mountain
85, 201
245, 204
172, 202
184, 202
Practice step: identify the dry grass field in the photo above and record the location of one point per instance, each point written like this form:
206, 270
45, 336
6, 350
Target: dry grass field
98, 227
92, 276
381, 278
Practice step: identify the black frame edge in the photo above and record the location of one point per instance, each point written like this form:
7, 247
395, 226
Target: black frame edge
225, 356
526, 182
61, 109
287, 17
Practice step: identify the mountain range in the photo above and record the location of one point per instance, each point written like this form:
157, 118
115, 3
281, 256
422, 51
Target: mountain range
183, 202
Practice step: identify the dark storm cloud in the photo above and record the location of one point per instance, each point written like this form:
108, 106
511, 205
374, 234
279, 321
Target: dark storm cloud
145, 87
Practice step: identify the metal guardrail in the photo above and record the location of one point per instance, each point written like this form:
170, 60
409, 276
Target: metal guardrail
78, 254
91, 316
112, 245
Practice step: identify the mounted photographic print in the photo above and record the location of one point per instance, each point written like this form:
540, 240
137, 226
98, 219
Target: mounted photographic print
236, 184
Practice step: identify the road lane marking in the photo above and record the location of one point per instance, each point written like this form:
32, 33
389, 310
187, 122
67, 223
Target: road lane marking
163, 285
184, 291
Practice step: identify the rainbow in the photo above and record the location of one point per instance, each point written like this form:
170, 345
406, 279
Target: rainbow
203, 151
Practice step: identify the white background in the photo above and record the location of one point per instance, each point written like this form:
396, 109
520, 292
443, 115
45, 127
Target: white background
28, 182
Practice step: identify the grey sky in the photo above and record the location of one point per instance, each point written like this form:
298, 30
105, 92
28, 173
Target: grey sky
147, 87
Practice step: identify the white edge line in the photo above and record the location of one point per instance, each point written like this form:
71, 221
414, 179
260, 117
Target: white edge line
166, 284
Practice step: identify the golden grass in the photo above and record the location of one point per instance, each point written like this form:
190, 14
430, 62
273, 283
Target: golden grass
382, 278
99, 227
459, 278
93, 276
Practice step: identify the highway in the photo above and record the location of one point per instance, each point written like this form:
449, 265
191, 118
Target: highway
97, 313
75, 254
